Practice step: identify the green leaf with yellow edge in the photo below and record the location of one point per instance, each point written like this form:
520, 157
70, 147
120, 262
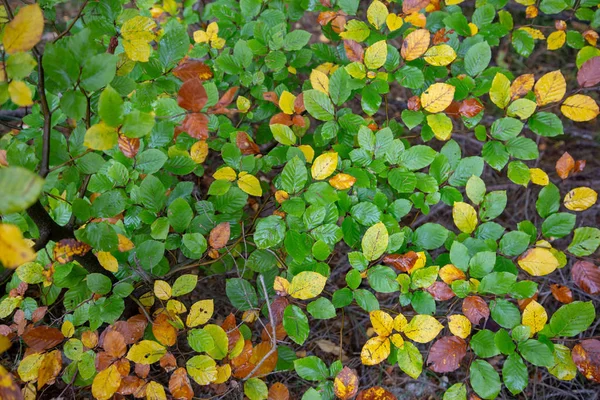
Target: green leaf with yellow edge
522, 108
423, 328
146, 352
375, 241
20, 189
441, 125
464, 216
307, 285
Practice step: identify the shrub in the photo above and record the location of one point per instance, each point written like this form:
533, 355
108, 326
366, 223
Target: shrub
188, 189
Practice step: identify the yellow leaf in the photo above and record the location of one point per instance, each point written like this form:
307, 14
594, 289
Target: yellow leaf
453, 2
20, 94
580, 199
556, 40
550, 88
250, 184
342, 181
137, 35
449, 273
500, 90
423, 328
400, 322
286, 102
440, 55
226, 173
535, 33
473, 28
200, 312
319, 81
162, 290
538, 176
223, 373
437, 97
375, 241
100, 137
521, 86
106, 383
377, 14
25, 30
324, 166
415, 44
464, 216
155, 391
201, 36
29, 367
394, 22
146, 352
459, 325
420, 263
175, 306
108, 261
67, 328
281, 285
382, 322
306, 285
441, 125
124, 243
308, 152
376, 54
416, 19
14, 250
580, 108
538, 261
397, 340
375, 350
534, 316
202, 369
199, 151
5, 343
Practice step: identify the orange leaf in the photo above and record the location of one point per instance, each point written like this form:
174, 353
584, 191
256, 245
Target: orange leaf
345, 385
565, 165
163, 331
179, 385
129, 146
586, 355
114, 344
278, 391
192, 95
193, 69
219, 235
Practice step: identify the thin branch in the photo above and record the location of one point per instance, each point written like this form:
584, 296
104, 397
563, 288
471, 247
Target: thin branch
72, 22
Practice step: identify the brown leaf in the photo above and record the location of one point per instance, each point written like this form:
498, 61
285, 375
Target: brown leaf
446, 354
375, 393
260, 352
168, 362
192, 95
345, 385
587, 276
219, 235
354, 50
229, 325
114, 344
414, 103
402, 262
299, 104
586, 355
163, 331
475, 308
130, 385
241, 364
267, 332
440, 291
180, 386
589, 73
272, 97
38, 314
9, 389
338, 23
195, 125
278, 307
132, 329
42, 337
579, 166
49, 368
326, 17
129, 146
281, 118
470, 107
89, 339
142, 370
123, 366
561, 293
66, 249
193, 69
3, 161
453, 110
565, 165
278, 391
245, 144
224, 101
440, 36
411, 6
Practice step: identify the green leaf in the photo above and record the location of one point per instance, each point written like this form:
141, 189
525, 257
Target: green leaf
514, 374
295, 324
571, 319
318, 105
478, 58
558, 225
321, 308
483, 344
270, 232
20, 189
256, 389
295, 40
180, 215
548, 201
410, 360
241, 294
150, 161
283, 134
484, 379
99, 283
98, 71
311, 368
110, 107
430, 236
383, 279
546, 124
585, 241
184, 285
514, 243
417, 157
294, 175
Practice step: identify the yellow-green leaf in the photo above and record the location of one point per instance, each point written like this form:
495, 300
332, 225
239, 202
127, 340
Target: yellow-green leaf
25, 30
440, 55
376, 54
580, 108
550, 88
324, 166
464, 216
500, 90
441, 125
437, 97
29, 367
162, 290
522, 108
459, 325
423, 328
249, 184
146, 352
377, 14
580, 199
226, 173
375, 241
100, 137
538, 261
375, 350
202, 369
534, 316
137, 33
319, 81
556, 40
306, 285
200, 312
564, 368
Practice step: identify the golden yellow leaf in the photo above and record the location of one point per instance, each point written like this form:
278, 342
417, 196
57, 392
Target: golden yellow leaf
534, 316
376, 54
146, 352
200, 312
453, 2
420, 263
124, 243
535, 33
223, 374
459, 325
155, 391
580, 199
306, 285
423, 328
473, 28
449, 273
377, 14
415, 44
108, 261
106, 383
226, 173
500, 90
382, 322
397, 340
319, 81
538, 261
162, 290
25, 30
550, 88
286, 102
394, 22
437, 97
5, 343
67, 328
199, 151
375, 350
580, 108
440, 55
29, 367
400, 322
464, 216
324, 166
20, 94
375, 241
416, 19
556, 40
521, 85
281, 196
308, 152
249, 184
538, 176
342, 181
137, 35
14, 250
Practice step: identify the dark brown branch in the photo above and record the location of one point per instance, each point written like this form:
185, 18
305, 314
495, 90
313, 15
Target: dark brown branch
72, 22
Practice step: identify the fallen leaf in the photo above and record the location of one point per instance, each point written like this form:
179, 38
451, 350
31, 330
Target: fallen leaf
345, 384
446, 354
586, 356
587, 276
475, 309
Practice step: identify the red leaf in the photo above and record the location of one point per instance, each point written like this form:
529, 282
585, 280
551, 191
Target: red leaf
476, 309
196, 125
589, 73
586, 355
402, 262
587, 276
453, 110
193, 69
298, 120
565, 165
43, 337
179, 385
440, 291
446, 354
192, 95
219, 235
129, 146
245, 144
411, 6
561, 293
470, 108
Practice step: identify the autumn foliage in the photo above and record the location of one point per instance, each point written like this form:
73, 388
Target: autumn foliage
292, 199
